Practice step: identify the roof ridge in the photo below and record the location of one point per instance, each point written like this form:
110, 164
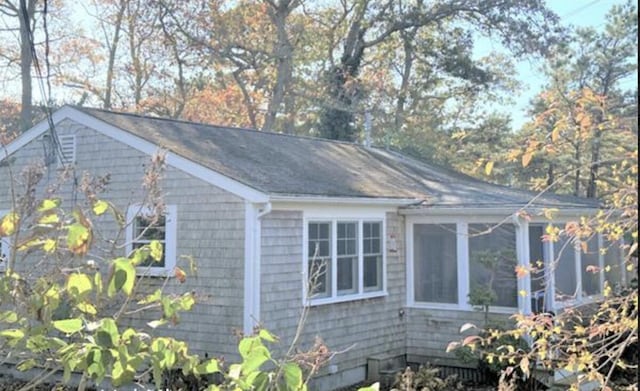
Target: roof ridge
157, 118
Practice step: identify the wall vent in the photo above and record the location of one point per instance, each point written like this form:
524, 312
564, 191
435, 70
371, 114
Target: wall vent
67, 148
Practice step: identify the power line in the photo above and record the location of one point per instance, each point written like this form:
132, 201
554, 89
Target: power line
580, 9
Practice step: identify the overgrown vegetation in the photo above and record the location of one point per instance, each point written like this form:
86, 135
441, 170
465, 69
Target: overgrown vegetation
64, 302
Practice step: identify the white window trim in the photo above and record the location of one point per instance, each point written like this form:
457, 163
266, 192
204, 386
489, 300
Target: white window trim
462, 243
170, 242
5, 244
334, 217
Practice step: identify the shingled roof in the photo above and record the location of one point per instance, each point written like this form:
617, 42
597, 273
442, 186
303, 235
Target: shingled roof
285, 165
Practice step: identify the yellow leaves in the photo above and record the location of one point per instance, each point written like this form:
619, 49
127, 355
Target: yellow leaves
9, 223
99, 207
488, 167
524, 365
526, 158
549, 213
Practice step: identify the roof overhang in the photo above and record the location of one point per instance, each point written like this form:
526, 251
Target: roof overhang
558, 212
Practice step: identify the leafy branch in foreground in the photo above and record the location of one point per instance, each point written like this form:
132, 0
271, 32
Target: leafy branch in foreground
61, 312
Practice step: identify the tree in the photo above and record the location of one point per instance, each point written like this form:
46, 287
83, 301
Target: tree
521, 25
598, 64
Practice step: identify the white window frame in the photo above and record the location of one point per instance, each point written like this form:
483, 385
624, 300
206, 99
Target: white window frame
334, 218
5, 244
170, 241
550, 256
462, 243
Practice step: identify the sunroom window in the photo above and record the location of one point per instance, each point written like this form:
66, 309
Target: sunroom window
492, 262
435, 263
345, 260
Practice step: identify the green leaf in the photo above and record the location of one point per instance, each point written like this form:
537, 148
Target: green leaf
107, 334
267, 336
68, 326
8, 317
49, 218
152, 298
207, 367
12, 333
78, 285
123, 277
26, 365
292, 376
48, 204
156, 250
87, 308
49, 245
258, 356
99, 207
373, 387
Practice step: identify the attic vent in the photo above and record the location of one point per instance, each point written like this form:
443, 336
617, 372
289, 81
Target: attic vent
67, 148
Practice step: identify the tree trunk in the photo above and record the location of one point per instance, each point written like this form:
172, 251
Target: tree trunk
26, 15
113, 47
278, 14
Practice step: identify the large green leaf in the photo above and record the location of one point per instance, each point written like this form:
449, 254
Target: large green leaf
78, 285
292, 376
123, 277
68, 326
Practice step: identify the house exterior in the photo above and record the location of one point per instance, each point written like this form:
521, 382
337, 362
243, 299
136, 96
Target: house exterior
390, 241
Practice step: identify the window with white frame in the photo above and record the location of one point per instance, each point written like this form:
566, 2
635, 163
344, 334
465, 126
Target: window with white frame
435, 263
144, 228
492, 262
577, 268
452, 260
345, 259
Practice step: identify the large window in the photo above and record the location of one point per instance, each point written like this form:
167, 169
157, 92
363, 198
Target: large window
345, 259
455, 264
143, 229
435, 263
492, 263
577, 268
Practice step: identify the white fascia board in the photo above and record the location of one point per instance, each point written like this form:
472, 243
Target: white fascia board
36, 131
197, 170
504, 211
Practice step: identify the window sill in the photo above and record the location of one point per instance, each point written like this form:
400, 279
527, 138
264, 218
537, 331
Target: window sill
457, 307
346, 298
154, 272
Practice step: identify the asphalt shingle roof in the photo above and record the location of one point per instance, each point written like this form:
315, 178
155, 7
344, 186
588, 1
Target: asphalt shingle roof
286, 165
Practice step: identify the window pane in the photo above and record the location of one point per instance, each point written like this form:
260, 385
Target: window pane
319, 281
492, 262
319, 240
435, 263
319, 259
146, 230
590, 279
612, 259
347, 275
564, 266
372, 273
346, 239
536, 258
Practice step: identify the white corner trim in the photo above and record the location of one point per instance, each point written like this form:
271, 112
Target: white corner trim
5, 245
252, 259
192, 168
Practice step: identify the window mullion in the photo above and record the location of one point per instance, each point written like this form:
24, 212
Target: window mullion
578, 268
334, 258
600, 262
462, 243
360, 252
550, 275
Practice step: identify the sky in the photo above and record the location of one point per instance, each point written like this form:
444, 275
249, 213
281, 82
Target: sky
578, 13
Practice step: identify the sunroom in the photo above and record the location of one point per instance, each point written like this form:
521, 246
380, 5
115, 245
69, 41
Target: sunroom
460, 258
